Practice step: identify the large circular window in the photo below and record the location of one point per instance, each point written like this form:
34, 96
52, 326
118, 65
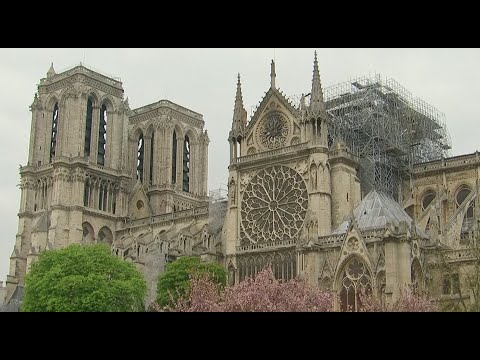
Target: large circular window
274, 205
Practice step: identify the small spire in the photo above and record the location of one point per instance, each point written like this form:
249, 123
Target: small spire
51, 72
239, 114
316, 102
272, 75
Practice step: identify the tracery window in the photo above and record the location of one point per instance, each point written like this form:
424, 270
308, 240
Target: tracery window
355, 281
451, 284
274, 205
283, 265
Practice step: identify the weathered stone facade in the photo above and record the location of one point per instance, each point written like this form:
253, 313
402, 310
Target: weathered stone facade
137, 179
98, 171
295, 203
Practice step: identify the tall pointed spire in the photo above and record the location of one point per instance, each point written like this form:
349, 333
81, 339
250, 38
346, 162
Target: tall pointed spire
239, 113
316, 100
51, 72
272, 75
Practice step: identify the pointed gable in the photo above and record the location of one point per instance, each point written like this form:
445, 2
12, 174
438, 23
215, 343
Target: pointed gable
272, 94
138, 204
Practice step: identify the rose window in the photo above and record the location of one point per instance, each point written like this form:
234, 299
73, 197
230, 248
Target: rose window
274, 205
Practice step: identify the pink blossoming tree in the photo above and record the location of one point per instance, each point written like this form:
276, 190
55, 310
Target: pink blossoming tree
407, 302
262, 294
266, 294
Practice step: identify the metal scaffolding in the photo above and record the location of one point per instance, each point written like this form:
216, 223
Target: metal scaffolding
387, 127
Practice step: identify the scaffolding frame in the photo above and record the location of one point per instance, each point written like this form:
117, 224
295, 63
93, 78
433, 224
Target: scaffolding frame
387, 128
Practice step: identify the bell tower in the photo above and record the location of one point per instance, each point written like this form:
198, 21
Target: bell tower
74, 186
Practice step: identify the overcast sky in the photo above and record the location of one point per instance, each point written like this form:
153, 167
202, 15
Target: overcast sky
204, 80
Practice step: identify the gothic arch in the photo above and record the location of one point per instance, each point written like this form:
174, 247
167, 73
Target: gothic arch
51, 101
381, 283
109, 103
137, 132
192, 136
88, 233
66, 94
178, 130
353, 278
462, 186
427, 197
150, 130
295, 141
417, 276
105, 235
92, 93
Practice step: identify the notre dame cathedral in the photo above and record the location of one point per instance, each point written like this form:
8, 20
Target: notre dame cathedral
350, 187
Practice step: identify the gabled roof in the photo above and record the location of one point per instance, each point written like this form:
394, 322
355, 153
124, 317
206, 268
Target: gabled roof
375, 211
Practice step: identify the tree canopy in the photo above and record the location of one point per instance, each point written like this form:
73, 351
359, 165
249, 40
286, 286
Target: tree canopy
176, 280
83, 279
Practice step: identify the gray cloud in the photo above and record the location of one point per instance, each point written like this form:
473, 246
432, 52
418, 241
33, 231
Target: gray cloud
204, 80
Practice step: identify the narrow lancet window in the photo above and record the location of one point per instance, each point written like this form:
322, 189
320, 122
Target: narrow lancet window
186, 164
88, 127
140, 156
86, 193
54, 135
174, 158
152, 154
102, 135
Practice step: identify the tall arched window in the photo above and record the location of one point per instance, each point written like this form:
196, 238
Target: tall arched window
355, 280
186, 164
102, 135
468, 220
88, 127
416, 275
174, 158
140, 156
151, 157
427, 199
54, 135
86, 193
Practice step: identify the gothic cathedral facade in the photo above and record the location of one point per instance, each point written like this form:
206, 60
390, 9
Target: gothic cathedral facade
98, 171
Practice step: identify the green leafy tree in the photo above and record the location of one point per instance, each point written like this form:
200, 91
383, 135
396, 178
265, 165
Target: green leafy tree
83, 279
175, 282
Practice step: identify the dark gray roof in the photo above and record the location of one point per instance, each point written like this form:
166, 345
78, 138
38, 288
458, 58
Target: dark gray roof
375, 211
216, 216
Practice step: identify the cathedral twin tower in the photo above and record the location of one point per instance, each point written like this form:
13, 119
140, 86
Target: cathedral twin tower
94, 164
